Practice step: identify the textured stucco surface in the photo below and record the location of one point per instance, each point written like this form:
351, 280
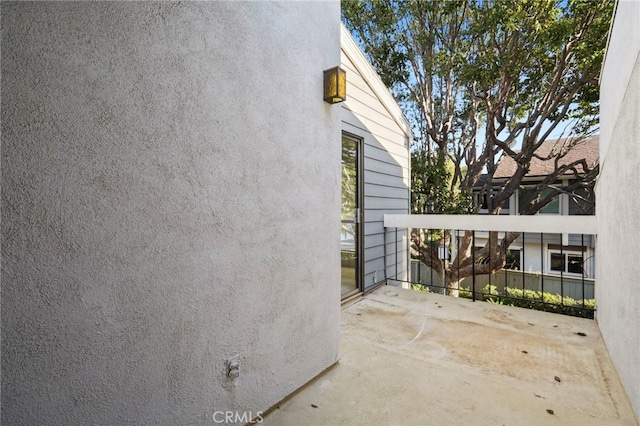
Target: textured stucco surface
618, 212
622, 49
170, 196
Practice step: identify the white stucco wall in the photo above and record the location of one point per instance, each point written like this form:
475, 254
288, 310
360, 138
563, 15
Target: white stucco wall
622, 50
618, 207
371, 114
170, 196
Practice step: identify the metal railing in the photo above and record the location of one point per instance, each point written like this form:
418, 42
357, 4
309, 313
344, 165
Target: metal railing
538, 262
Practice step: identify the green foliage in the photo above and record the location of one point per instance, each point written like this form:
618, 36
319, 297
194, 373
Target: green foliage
511, 68
537, 300
431, 180
515, 71
549, 302
420, 287
490, 290
464, 293
376, 20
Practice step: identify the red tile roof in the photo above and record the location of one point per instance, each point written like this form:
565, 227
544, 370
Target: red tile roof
587, 149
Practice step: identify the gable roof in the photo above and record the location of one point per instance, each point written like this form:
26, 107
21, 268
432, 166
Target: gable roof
587, 149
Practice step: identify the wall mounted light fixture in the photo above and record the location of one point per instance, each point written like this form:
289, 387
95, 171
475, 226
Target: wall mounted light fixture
335, 85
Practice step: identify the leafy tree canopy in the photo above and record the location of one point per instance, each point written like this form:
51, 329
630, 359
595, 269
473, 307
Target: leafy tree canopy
517, 70
481, 79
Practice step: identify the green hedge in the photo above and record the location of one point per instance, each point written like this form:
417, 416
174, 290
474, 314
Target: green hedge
530, 299
535, 300
420, 287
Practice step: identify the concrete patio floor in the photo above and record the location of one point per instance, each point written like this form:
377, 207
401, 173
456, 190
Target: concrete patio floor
410, 358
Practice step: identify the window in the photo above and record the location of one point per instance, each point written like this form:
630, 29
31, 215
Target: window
484, 205
483, 202
527, 194
582, 202
566, 262
513, 260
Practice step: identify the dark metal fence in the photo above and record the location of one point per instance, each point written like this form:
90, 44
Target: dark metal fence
544, 271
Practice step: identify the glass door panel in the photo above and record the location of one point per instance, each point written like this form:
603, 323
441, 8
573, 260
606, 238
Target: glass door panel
349, 236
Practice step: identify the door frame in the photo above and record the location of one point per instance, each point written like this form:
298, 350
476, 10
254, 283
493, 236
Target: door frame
359, 240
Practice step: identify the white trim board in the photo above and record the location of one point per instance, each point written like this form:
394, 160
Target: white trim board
546, 224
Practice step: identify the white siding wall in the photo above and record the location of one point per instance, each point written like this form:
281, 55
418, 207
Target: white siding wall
170, 196
371, 114
533, 253
618, 206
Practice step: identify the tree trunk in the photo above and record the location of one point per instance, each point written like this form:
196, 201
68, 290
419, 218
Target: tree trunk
466, 262
452, 286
